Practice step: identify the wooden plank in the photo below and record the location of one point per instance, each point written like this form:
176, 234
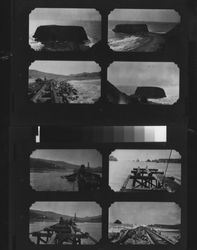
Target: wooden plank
52, 239
125, 183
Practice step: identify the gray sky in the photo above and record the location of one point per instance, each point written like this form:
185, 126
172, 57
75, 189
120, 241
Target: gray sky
82, 209
142, 155
64, 14
75, 156
60, 16
65, 67
145, 212
148, 15
158, 74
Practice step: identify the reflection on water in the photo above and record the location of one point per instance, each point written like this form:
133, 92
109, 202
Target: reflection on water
52, 181
119, 171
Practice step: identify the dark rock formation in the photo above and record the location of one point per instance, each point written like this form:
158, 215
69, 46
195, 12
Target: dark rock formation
117, 222
130, 28
150, 92
48, 33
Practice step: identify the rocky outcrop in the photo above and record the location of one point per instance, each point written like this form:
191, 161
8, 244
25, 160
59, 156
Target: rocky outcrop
112, 158
117, 222
47, 33
130, 28
150, 92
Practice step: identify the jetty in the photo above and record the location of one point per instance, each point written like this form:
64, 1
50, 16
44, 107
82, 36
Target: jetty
145, 179
141, 235
65, 232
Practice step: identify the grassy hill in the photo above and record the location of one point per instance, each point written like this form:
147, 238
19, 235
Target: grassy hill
35, 74
37, 215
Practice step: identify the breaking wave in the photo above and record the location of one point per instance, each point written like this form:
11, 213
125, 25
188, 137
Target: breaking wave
126, 43
35, 45
146, 42
38, 46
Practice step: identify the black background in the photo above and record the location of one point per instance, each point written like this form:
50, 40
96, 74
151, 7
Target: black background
5, 24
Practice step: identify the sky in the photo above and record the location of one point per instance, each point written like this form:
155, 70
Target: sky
156, 74
149, 15
60, 16
64, 14
142, 155
75, 156
81, 209
145, 213
65, 67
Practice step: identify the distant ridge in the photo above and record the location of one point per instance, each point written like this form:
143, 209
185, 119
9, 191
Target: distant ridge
35, 74
40, 165
175, 226
38, 215
112, 158
172, 160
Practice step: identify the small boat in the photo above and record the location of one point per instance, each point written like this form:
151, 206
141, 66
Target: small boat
85, 178
71, 177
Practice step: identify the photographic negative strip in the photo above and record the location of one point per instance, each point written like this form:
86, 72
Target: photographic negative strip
65, 170
144, 223
140, 83
70, 82
106, 134
59, 29
65, 223
142, 30
132, 170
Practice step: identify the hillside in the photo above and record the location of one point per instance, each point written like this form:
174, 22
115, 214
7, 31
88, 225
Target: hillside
40, 165
37, 215
35, 74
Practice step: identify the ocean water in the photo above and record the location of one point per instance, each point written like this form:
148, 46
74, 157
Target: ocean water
52, 181
171, 234
92, 28
119, 170
120, 42
89, 91
94, 230
172, 93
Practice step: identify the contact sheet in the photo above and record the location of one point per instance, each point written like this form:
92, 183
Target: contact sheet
98, 135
